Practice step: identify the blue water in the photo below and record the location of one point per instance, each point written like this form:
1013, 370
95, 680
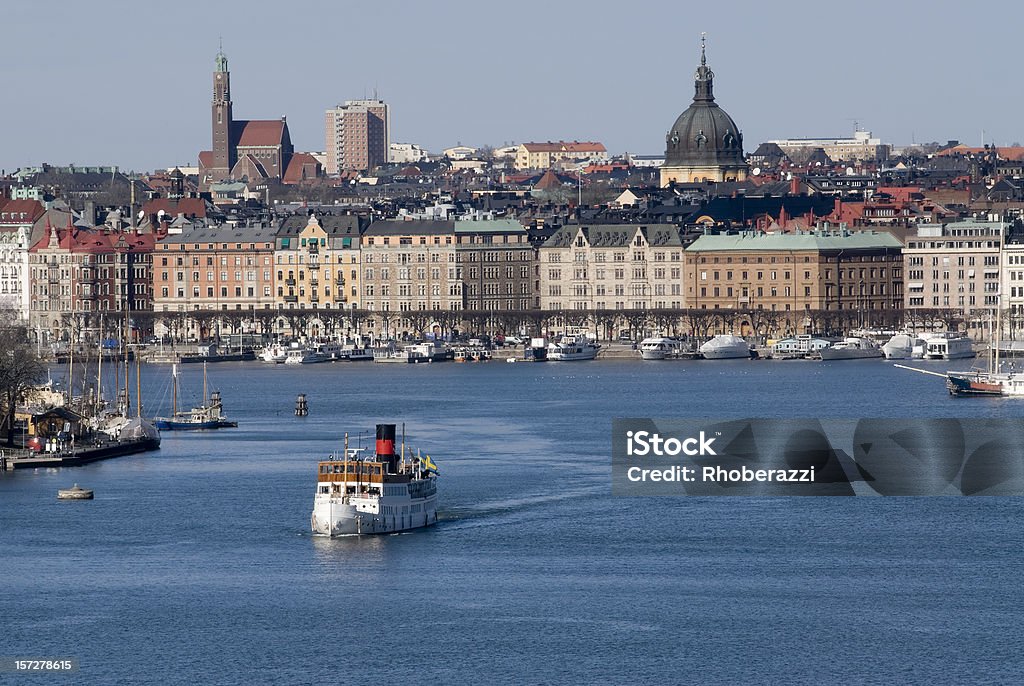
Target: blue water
194, 564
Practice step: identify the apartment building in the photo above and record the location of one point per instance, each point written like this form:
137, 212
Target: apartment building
215, 268
795, 272
551, 154
956, 266
495, 261
618, 267
357, 136
316, 263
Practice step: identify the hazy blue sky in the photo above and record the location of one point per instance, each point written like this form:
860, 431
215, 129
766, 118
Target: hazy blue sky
129, 83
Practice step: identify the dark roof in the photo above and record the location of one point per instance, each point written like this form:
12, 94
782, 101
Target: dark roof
414, 227
332, 224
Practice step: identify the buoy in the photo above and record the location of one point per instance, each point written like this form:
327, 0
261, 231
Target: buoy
301, 406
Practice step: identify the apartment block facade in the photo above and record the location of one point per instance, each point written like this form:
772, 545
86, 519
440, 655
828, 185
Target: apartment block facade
316, 264
357, 136
614, 267
955, 266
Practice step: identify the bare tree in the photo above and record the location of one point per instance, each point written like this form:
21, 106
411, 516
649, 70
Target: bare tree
20, 368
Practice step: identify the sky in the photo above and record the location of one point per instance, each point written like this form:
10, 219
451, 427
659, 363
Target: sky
111, 82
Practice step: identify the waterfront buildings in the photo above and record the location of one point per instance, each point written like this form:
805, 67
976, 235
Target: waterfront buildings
704, 143
614, 267
316, 263
796, 273
80, 271
357, 136
496, 261
956, 267
215, 268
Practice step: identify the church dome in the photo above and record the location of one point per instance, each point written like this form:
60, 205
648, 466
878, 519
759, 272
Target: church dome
704, 135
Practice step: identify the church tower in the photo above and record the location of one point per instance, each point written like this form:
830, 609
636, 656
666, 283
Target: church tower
223, 150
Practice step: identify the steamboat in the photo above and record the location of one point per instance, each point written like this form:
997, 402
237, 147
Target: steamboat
380, 494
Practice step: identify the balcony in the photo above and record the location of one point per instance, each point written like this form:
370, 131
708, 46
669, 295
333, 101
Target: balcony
314, 298
314, 265
340, 280
314, 248
314, 282
289, 282
291, 298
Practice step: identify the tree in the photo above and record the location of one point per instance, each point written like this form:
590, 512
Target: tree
20, 368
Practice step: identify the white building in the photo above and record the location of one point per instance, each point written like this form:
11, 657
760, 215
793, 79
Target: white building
16, 220
861, 147
406, 153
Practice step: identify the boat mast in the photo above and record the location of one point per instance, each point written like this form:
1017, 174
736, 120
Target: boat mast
138, 385
174, 386
205, 395
99, 373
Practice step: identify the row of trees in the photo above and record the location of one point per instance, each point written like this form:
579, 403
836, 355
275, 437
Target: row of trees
605, 324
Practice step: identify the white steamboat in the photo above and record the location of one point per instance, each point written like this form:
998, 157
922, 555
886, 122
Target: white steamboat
382, 494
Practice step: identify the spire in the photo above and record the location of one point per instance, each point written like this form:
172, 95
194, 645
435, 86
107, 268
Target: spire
704, 78
221, 60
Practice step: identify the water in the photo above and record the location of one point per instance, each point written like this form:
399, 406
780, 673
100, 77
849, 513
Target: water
194, 564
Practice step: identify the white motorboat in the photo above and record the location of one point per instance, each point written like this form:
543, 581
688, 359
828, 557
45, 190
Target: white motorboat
949, 345
571, 349
300, 355
274, 354
851, 349
904, 346
660, 348
724, 347
378, 494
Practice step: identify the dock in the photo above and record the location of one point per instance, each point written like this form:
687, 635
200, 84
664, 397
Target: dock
79, 456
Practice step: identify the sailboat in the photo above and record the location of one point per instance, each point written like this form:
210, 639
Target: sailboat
207, 416
978, 382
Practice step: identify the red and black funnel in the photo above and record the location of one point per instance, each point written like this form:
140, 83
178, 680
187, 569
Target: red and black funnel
386, 446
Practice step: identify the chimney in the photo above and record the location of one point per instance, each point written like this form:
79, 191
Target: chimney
794, 185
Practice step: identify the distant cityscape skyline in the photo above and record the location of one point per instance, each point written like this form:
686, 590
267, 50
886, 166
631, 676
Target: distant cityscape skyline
130, 91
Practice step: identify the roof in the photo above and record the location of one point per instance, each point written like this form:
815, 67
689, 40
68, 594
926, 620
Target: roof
818, 241
488, 226
413, 227
332, 224
302, 167
21, 211
260, 132
223, 234
565, 146
615, 235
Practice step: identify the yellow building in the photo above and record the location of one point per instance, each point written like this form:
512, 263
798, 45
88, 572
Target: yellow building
316, 264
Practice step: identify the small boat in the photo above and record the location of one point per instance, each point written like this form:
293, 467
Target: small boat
76, 492
803, 345
851, 349
208, 416
301, 355
380, 494
725, 347
660, 348
572, 349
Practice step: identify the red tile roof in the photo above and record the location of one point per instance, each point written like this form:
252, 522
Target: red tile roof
260, 132
21, 212
565, 146
302, 167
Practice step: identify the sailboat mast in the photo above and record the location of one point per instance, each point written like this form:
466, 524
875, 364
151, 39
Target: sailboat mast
138, 385
99, 372
174, 392
205, 394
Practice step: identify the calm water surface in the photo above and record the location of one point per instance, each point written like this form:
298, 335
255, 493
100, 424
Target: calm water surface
195, 564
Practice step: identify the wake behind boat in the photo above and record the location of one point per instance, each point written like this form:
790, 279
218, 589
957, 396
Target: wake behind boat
379, 495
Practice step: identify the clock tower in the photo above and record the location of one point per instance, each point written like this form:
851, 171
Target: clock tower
223, 151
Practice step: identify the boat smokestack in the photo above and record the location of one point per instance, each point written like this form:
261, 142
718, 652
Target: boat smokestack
386, 446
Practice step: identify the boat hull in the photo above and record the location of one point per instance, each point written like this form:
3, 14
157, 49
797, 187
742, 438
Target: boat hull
174, 425
334, 518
